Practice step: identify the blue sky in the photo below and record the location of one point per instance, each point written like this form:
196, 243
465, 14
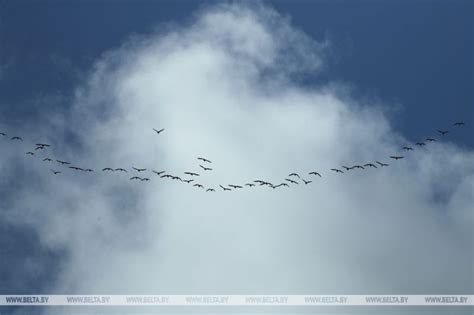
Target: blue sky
414, 58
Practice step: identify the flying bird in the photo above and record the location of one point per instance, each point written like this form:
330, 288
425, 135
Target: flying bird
358, 166
443, 132
210, 189
204, 159
159, 131
88, 170
62, 162
55, 172
39, 148
166, 176
191, 174
235, 186
249, 184
205, 168
135, 177
198, 186
420, 144
139, 169
17, 138
144, 179
396, 157
430, 139
306, 182
314, 173
3, 134
371, 165
47, 160
158, 173
382, 164
225, 189
459, 123
30, 153
336, 170
294, 174
108, 169
188, 180
407, 148
76, 168
291, 181
42, 145
121, 170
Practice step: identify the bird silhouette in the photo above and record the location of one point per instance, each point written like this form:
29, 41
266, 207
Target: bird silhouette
443, 132
205, 168
16, 138
370, 165
121, 170
210, 189
76, 168
55, 172
42, 145
235, 186
39, 148
159, 131
62, 162
420, 144
176, 178
88, 170
459, 124
294, 174
430, 139
306, 182
250, 184
191, 174
336, 170
314, 173
166, 176
139, 169
158, 173
108, 169
396, 157
407, 148
47, 160
204, 160
3, 134
291, 181
188, 180
135, 177
358, 166
198, 186
224, 188
347, 167
30, 153
382, 164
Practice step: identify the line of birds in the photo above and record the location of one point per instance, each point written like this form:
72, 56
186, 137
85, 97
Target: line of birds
292, 178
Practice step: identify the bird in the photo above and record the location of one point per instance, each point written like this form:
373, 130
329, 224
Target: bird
191, 174
121, 170
291, 181
371, 165
158, 173
76, 168
249, 184
139, 169
336, 170
347, 167
62, 162
42, 145
280, 185
135, 177
225, 189
188, 180
39, 148
159, 131
382, 164
30, 153
210, 189
306, 182
47, 160
407, 148
420, 144
396, 157
3, 134
55, 172
144, 179
294, 174
205, 168
166, 176
198, 186
443, 132
314, 173
16, 138
430, 139
176, 178
459, 124
358, 166
88, 170
108, 169
235, 186
204, 160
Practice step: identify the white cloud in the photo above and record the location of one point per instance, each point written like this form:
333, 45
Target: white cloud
222, 87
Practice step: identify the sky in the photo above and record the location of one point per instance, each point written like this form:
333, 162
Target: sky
262, 90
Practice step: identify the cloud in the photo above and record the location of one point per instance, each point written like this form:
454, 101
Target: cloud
223, 88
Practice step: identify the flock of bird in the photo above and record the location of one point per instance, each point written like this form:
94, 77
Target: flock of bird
191, 177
